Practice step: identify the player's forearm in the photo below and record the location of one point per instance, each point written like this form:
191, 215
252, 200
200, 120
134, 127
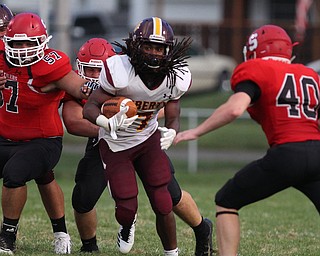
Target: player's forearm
91, 112
82, 128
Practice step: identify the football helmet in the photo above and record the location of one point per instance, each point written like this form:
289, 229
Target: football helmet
5, 16
93, 54
26, 27
268, 41
151, 30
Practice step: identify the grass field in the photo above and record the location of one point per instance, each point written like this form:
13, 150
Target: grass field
283, 225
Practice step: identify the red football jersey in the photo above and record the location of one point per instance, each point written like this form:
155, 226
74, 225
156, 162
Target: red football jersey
25, 112
287, 107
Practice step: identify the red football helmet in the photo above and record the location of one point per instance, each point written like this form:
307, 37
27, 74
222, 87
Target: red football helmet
153, 30
93, 54
268, 41
5, 16
26, 27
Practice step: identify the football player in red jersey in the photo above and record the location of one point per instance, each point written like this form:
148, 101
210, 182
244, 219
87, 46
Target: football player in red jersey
31, 128
284, 99
51, 193
90, 178
90, 182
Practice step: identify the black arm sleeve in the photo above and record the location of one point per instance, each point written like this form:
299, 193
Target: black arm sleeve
250, 88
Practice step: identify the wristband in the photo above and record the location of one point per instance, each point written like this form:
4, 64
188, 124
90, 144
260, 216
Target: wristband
103, 122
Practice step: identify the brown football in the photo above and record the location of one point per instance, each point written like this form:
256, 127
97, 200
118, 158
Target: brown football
112, 106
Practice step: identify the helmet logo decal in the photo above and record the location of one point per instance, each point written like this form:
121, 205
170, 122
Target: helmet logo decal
253, 42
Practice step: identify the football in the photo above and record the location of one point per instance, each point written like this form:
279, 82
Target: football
113, 105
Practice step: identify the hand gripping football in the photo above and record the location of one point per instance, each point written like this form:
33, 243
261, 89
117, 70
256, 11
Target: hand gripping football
113, 105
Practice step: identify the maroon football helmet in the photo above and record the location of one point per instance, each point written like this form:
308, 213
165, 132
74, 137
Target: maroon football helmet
152, 30
268, 41
26, 27
5, 16
93, 54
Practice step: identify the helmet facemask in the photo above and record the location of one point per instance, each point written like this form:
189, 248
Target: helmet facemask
22, 57
146, 62
81, 66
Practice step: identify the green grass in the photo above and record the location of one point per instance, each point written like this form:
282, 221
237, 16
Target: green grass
283, 225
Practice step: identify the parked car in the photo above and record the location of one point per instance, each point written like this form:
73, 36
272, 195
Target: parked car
87, 25
210, 71
314, 65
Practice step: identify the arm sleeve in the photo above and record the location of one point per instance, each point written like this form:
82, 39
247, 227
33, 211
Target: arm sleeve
250, 88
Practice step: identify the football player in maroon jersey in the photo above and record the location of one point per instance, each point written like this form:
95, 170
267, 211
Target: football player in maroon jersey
31, 134
90, 182
284, 99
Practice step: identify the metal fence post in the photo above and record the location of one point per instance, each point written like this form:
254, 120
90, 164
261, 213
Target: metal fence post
192, 145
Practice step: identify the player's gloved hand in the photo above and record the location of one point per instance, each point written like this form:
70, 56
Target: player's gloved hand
88, 87
127, 122
167, 137
113, 123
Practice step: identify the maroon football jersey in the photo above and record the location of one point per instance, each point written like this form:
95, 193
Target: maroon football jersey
26, 112
287, 107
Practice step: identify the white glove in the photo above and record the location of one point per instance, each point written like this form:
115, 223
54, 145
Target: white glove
167, 137
113, 123
127, 122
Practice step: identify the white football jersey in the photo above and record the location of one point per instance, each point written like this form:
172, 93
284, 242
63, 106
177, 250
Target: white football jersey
118, 78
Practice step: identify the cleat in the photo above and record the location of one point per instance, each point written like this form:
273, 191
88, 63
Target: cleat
62, 243
126, 237
7, 244
204, 246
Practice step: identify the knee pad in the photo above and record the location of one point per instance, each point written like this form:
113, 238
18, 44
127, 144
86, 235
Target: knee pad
160, 200
11, 183
46, 178
81, 203
175, 191
126, 211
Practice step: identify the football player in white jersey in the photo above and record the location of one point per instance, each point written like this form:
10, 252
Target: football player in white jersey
152, 72
89, 178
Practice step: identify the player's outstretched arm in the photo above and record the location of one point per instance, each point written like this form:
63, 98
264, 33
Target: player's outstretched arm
226, 113
72, 83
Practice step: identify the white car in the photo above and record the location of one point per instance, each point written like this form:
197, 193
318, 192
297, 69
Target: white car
314, 65
210, 71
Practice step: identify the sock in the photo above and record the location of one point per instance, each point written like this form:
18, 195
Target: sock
202, 230
10, 227
90, 244
59, 225
174, 252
